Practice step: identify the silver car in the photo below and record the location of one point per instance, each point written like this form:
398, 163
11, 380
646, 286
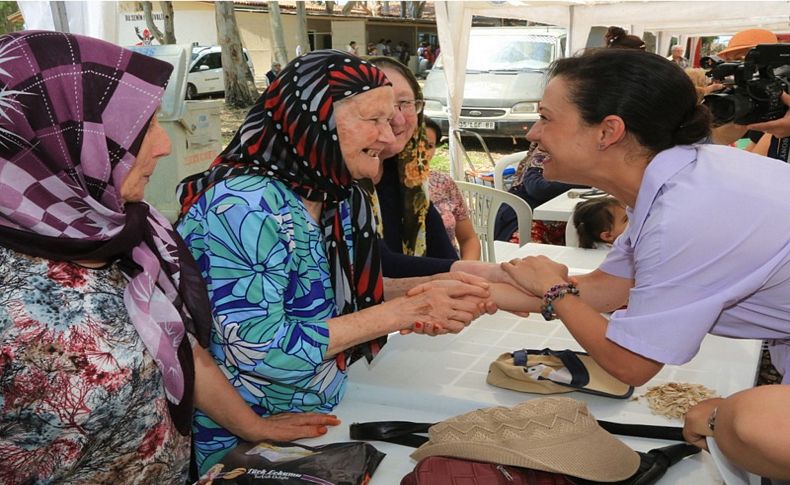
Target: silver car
505, 76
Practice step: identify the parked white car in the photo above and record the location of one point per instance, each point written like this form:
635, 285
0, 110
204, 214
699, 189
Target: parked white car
205, 72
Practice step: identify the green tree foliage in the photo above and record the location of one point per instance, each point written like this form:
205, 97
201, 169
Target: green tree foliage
6, 9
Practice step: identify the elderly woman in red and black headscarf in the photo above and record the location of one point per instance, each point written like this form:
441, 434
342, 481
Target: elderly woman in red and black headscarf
288, 245
103, 312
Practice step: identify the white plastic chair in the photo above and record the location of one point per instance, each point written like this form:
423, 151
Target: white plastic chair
495, 178
571, 234
502, 164
484, 203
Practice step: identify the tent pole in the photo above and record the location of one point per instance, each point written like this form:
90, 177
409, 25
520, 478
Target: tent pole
59, 16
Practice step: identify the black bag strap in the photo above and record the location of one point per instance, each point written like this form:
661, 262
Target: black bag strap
404, 432
652, 465
398, 432
670, 433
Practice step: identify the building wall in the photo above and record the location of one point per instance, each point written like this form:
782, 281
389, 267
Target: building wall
256, 35
344, 31
194, 22
322, 29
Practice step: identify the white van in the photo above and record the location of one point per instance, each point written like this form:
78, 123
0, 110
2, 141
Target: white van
205, 72
505, 77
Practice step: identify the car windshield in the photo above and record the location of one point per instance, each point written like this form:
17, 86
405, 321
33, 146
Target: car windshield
509, 53
196, 51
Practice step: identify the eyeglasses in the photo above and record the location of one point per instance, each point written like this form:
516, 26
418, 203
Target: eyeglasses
414, 106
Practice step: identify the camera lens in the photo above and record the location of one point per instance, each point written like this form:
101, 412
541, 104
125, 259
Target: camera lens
727, 108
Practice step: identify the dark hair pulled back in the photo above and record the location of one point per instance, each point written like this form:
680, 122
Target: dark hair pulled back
655, 98
432, 125
591, 218
617, 37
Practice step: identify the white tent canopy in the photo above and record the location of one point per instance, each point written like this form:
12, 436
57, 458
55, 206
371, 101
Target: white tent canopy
663, 18
93, 18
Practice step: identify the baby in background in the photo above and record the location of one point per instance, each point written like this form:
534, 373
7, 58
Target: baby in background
599, 221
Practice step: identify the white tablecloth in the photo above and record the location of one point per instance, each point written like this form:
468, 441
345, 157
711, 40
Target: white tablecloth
559, 208
418, 378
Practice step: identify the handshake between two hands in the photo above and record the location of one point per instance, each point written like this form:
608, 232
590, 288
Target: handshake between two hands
453, 300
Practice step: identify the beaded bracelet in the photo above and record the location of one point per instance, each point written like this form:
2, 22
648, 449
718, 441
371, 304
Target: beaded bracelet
555, 293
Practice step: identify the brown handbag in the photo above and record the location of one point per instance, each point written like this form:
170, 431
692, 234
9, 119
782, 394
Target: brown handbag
442, 470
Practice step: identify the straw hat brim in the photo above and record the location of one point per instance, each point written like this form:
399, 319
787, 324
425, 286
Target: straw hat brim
735, 49
748, 39
594, 455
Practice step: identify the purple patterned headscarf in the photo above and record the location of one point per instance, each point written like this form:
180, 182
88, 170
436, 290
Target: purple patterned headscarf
73, 114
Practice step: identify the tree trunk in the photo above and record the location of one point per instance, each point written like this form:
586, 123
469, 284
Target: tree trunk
278, 39
374, 7
240, 89
301, 21
418, 8
149, 22
167, 13
385, 8
348, 7
403, 12
415, 9
329, 5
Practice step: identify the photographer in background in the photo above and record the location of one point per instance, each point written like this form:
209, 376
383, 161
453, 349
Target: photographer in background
772, 146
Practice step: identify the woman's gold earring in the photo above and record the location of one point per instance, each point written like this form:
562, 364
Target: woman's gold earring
601, 147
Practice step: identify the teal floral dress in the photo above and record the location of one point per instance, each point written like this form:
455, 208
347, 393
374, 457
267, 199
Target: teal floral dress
265, 266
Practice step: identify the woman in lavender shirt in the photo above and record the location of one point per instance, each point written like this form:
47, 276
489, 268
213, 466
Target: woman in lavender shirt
707, 249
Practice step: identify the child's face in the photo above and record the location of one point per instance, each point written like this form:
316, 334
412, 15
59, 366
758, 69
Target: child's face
620, 219
430, 144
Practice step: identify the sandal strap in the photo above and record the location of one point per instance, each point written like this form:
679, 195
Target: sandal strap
579, 375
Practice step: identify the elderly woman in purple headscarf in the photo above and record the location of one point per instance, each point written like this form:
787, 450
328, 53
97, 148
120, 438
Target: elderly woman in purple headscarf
103, 313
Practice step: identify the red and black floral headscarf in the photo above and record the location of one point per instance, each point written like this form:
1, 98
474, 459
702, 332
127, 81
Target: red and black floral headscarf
290, 135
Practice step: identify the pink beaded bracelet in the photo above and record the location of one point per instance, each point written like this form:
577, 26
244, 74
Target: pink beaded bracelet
555, 293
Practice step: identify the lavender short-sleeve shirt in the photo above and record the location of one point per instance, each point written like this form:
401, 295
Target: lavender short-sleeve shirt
708, 245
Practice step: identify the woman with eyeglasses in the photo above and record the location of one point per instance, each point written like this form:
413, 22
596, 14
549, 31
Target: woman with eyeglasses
412, 227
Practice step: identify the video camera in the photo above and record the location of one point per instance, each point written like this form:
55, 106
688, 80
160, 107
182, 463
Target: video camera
754, 94
709, 62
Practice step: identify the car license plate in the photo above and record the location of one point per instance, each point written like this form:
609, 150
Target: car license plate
479, 125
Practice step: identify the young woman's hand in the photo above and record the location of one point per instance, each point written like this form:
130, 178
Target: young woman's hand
468, 278
536, 274
491, 272
695, 424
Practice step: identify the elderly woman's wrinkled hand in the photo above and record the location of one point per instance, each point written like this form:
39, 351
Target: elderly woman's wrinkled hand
536, 274
445, 306
294, 426
463, 285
